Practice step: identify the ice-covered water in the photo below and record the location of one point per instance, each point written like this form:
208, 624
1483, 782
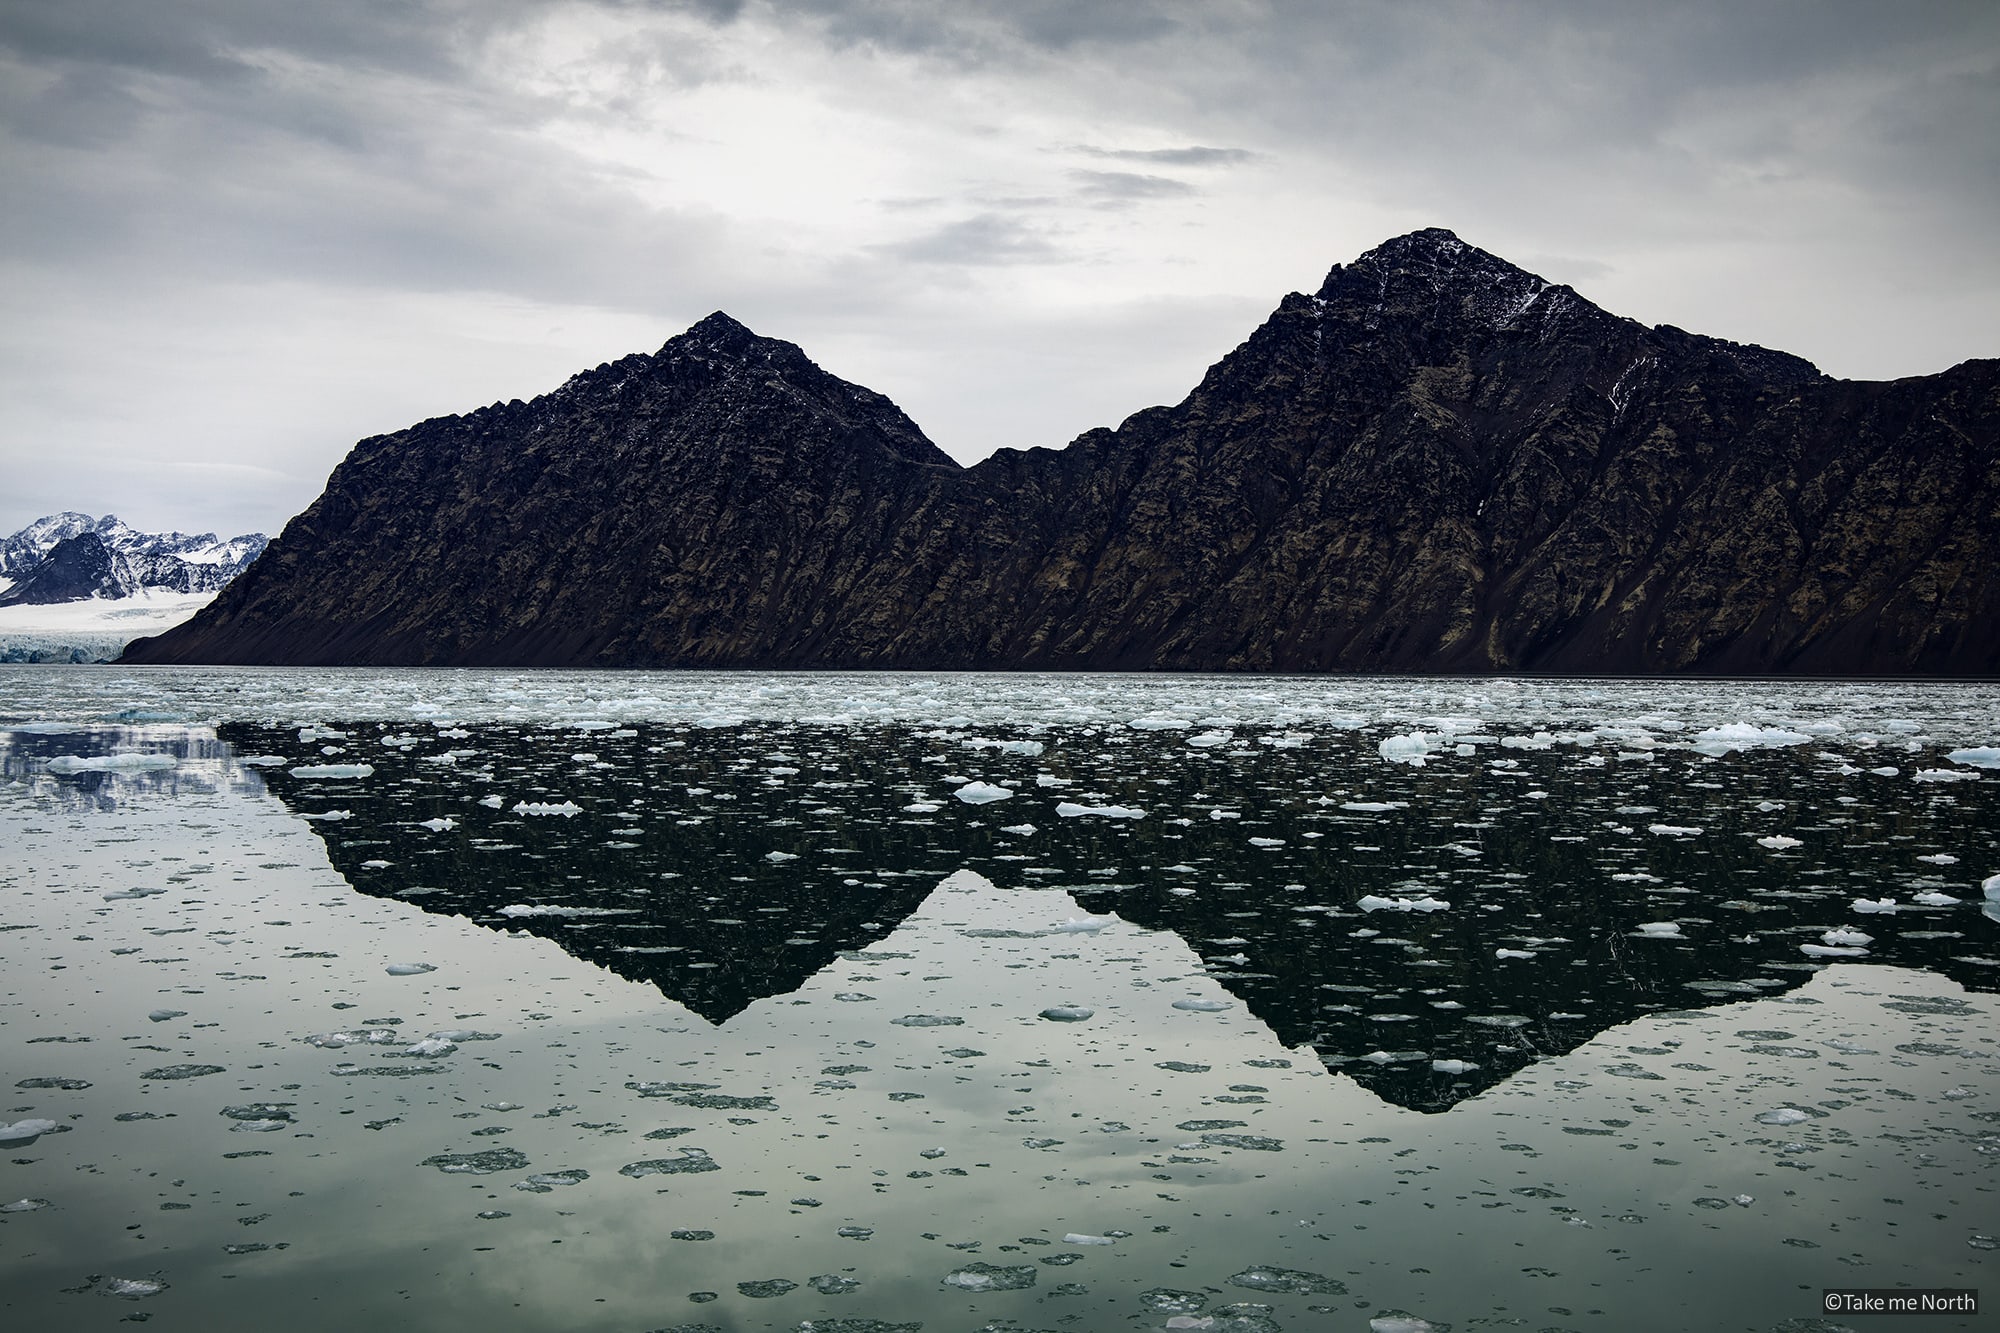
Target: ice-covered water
736, 1001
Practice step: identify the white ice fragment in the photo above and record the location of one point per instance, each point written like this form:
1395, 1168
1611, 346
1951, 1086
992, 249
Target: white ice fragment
333, 771
1983, 756
1660, 930
1831, 951
1159, 722
1673, 830
23, 1132
443, 824
1202, 1006
1943, 775
330, 816
1267, 842
1400, 1323
1085, 925
431, 1046
557, 909
1844, 935
1208, 740
1875, 905
1513, 953
979, 793
775, 857
493, 802
1453, 1066
376, 865
1079, 1238
1376, 903
409, 969
1932, 898
1019, 830
1940, 859
166, 1015
1374, 807
921, 808
1784, 1115
111, 763
25, 1206
1990, 886
1744, 736
1067, 1013
1071, 810
566, 809
1779, 842
1407, 748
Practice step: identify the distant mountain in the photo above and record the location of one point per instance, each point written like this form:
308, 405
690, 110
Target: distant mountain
68, 557
1437, 462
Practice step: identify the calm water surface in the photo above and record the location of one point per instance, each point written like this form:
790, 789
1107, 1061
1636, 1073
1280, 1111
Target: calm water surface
855, 1003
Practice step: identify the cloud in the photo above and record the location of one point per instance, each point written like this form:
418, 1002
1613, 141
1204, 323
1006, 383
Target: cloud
1129, 187
1194, 155
982, 240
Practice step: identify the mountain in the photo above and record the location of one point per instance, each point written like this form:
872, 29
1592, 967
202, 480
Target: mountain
1436, 462
70, 556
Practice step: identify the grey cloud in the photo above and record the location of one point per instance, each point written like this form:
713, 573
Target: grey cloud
1129, 186
1194, 155
982, 240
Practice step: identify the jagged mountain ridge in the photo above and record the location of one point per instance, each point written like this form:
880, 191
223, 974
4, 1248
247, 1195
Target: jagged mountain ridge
1436, 462
70, 556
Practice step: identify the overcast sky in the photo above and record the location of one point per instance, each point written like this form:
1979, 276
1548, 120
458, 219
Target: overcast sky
240, 235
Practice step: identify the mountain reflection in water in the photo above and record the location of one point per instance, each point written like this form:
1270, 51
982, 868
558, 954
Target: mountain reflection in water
727, 865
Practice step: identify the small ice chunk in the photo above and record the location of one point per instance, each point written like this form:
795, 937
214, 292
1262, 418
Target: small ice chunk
1875, 905
776, 858
1401, 1321
1079, 1238
1831, 951
1412, 748
25, 1206
431, 1047
1208, 740
165, 1015
1673, 830
1267, 842
1084, 925
1661, 930
1067, 1013
1943, 775
111, 763
1843, 935
1990, 886
1779, 842
493, 802
1932, 898
1453, 1066
1783, 1115
1374, 807
1744, 736
334, 771
922, 808
927, 1021
1376, 903
1513, 953
409, 969
1202, 1006
1940, 859
442, 824
23, 1132
980, 793
1983, 756
1071, 810
567, 809
1019, 830
991, 1277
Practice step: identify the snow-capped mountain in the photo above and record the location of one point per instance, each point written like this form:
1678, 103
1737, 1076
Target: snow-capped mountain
69, 556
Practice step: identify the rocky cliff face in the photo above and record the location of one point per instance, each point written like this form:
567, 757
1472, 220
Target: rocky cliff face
1437, 462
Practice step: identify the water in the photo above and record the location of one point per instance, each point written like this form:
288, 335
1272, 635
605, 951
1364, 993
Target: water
678, 1001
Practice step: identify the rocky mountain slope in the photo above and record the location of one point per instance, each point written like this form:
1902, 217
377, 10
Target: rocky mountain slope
1437, 462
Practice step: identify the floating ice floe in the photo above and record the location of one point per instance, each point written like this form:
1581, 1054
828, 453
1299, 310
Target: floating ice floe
25, 1206
1083, 925
1067, 1013
1844, 936
165, 1015
1932, 898
564, 808
1660, 930
1784, 1115
1674, 830
1376, 903
24, 1132
1019, 830
1071, 810
1513, 953
991, 1277
439, 825
111, 763
1208, 740
776, 858
333, 771
409, 969
1875, 905
1990, 886
922, 808
1412, 748
1202, 1006
1779, 842
1374, 807
1943, 775
1159, 722
330, 816
1982, 756
1832, 951
980, 793
1744, 736
1453, 1066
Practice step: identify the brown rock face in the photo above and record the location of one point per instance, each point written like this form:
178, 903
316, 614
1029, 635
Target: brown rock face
1438, 463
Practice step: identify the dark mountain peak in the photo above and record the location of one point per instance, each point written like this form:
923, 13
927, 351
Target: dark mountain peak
77, 567
719, 332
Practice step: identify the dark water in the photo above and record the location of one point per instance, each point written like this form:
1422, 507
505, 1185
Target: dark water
635, 1003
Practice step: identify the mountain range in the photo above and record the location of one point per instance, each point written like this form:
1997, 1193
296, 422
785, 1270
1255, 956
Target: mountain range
1436, 462
69, 557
